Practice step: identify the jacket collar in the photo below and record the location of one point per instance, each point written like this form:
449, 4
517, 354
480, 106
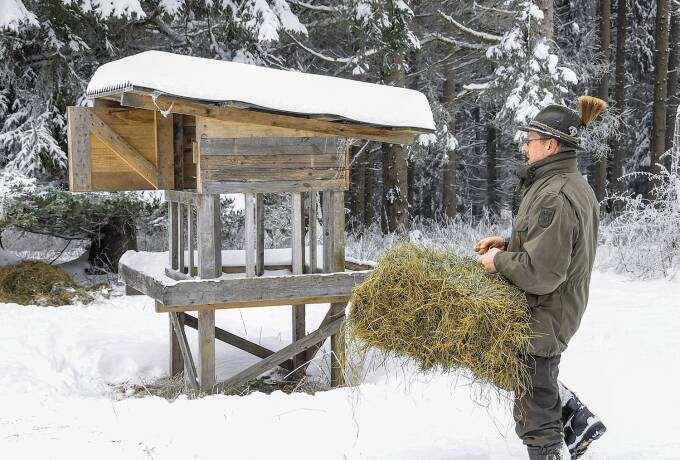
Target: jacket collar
561, 162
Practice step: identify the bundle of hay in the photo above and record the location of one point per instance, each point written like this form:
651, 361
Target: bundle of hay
38, 283
444, 312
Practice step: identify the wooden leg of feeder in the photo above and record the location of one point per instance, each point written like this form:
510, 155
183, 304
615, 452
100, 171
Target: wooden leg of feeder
189, 368
334, 261
176, 364
206, 350
298, 259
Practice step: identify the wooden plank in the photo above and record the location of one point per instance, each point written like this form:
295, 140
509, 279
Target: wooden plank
206, 350
309, 300
265, 146
165, 151
173, 231
222, 173
209, 234
176, 364
275, 124
280, 356
78, 134
265, 288
312, 231
303, 160
187, 198
189, 367
331, 315
271, 186
327, 228
181, 231
259, 234
347, 165
250, 233
123, 149
178, 150
239, 342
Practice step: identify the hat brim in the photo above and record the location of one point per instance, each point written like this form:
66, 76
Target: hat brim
561, 139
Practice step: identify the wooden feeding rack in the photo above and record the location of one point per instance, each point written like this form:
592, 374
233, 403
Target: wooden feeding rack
147, 132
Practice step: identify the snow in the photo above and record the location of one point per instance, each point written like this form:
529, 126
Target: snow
273, 89
118, 8
58, 365
13, 13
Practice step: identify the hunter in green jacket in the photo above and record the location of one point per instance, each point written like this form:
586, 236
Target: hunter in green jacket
550, 256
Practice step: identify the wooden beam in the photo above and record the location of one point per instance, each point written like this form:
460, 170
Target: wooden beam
160, 308
239, 342
79, 159
250, 233
215, 144
182, 197
189, 368
206, 350
272, 186
259, 234
181, 231
280, 356
287, 122
165, 151
298, 258
312, 231
178, 150
176, 364
209, 233
123, 149
173, 231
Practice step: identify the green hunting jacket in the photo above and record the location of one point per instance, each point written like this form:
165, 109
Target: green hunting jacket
551, 250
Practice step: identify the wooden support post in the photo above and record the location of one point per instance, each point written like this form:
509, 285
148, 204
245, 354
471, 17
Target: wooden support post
259, 237
176, 360
181, 231
190, 369
209, 236
172, 234
206, 350
312, 232
250, 230
334, 261
178, 150
298, 258
191, 231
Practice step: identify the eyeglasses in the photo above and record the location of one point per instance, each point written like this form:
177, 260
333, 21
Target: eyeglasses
526, 142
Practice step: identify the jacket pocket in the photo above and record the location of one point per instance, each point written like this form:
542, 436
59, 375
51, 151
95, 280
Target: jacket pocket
521, 236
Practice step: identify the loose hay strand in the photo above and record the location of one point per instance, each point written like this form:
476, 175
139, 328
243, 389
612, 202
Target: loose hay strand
444, 312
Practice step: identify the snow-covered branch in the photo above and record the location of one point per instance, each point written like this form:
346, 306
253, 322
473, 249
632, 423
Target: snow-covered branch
483, 36
309, 6
452, 41
320, 55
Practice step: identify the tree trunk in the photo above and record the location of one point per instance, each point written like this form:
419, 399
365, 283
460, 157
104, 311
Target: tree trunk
672, 87
491, 173
600, 172
395, 171
660, 87
108, 246
619, 93
449, 194
548, 23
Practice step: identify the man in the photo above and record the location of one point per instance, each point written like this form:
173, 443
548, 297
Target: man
550, 257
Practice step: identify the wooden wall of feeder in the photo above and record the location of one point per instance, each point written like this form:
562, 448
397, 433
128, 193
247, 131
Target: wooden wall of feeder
212, 127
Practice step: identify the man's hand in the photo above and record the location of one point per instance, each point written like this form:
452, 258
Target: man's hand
486, 259
488, 243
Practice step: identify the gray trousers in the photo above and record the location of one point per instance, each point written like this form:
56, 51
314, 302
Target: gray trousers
538, 414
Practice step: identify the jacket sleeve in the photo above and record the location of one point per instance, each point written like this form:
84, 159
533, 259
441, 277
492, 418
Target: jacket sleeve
543, 264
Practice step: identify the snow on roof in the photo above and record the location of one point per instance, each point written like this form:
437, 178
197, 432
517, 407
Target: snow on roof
277, 90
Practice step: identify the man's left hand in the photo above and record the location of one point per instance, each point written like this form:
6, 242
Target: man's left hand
486, 259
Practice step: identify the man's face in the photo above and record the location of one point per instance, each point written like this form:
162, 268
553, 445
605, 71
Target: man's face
539, 146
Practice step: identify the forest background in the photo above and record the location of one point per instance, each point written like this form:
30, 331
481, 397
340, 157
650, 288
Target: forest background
485, 66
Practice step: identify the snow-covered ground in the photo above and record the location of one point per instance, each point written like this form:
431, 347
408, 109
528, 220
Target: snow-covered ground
58, 365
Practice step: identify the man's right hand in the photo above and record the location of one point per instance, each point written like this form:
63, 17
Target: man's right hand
487, 243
